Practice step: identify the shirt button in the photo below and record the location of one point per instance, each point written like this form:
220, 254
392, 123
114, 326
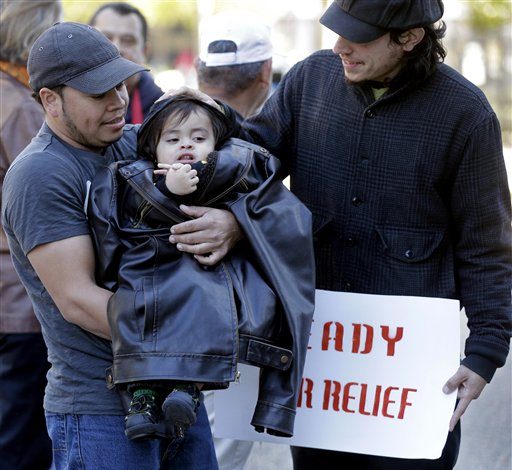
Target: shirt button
356, 201
284, 359
350, 241
348, 286
409, 254
369, 113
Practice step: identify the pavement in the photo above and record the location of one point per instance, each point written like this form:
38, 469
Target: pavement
486, 430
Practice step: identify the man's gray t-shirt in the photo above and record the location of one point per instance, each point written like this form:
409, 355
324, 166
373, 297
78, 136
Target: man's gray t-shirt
44, 200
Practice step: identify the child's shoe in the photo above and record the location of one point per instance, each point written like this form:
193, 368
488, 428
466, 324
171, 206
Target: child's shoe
180, 409
143, 418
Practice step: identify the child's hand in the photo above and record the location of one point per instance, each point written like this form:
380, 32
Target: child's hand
180, 179
163, 168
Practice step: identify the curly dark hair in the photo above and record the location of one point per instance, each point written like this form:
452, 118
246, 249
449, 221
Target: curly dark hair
423, 60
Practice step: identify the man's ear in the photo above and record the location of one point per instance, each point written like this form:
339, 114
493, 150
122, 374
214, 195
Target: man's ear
51, 101
266, 72
411, 38
148, 52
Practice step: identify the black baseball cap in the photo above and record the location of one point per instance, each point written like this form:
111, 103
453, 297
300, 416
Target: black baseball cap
78, 56
363, 21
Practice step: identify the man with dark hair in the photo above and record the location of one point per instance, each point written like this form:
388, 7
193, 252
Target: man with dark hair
235, 61
127, 28
79, 76
400, 160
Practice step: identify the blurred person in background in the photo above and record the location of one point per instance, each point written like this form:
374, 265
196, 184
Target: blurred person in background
235, 67
235, 61
127, 28
24, 442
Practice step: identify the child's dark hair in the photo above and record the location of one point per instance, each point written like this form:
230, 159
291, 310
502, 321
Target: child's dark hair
179, 108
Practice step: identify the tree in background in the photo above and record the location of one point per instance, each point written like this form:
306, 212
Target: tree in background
485, 16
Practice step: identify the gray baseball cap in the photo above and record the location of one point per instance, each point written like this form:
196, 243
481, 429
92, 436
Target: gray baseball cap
78, 56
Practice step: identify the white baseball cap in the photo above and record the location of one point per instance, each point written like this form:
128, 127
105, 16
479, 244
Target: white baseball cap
250, 36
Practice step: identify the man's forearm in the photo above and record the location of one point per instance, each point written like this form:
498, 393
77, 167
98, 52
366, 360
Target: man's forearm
88, 310
66, 269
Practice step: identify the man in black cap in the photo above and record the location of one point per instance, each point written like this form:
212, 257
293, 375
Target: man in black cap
400, 160
78, 76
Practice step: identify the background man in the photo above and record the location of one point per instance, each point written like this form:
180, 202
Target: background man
235, 67
400, 160
235, 61
84, 98
24, 442
127, 28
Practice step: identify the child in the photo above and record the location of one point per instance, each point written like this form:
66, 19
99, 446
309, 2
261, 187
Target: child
177, 326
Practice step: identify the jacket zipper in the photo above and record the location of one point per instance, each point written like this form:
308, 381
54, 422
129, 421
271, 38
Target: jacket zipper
142, 215
151, 203
221, 195
237, 345
241, 180
244, 184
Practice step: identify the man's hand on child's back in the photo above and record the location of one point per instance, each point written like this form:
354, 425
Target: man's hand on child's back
209, 236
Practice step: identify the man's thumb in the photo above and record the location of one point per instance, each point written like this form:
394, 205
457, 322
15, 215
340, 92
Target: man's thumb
452, 384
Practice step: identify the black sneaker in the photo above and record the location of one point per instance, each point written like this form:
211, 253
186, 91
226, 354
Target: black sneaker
143, 418
180, 409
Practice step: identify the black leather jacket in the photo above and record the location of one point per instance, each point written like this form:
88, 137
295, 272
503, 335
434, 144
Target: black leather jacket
172, 318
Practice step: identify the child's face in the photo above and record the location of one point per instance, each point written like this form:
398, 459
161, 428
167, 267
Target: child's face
187, 142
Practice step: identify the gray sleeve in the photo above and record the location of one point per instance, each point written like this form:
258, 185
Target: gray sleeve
44, 200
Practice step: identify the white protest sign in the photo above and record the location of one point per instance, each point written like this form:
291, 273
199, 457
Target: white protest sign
372, 382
